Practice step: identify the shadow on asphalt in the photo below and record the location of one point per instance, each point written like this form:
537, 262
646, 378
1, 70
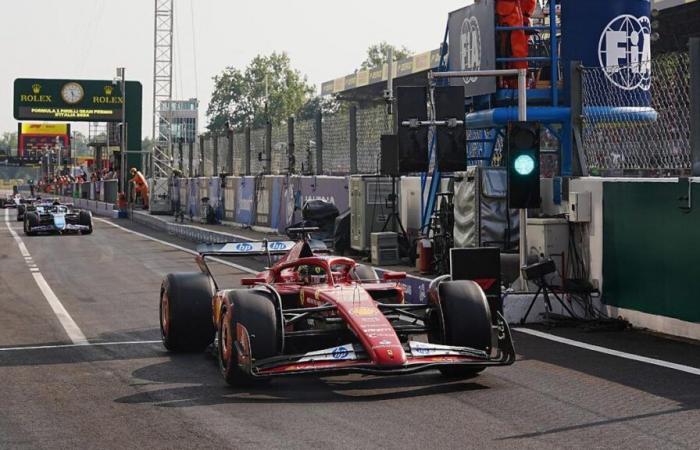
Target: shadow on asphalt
597, 423
210, 389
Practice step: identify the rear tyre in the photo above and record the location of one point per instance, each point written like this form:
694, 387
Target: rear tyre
31, 220
20, 212
185, 312
466, 321
254, 310
85, 219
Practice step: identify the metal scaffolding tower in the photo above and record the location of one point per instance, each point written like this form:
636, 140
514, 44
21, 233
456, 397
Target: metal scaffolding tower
162, 89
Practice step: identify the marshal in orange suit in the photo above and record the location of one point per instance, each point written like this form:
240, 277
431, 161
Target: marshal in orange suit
140, 185
514, 43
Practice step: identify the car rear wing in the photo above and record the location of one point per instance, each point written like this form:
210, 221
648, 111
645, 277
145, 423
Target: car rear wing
249, 248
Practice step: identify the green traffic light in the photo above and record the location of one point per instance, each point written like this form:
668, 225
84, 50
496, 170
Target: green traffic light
524, 165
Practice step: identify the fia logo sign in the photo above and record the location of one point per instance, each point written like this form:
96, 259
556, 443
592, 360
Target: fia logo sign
470, 47
624, 52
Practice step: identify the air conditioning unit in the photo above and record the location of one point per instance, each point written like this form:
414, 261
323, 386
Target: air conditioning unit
369, 196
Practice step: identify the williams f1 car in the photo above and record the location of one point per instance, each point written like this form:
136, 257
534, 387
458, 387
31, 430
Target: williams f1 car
55, 217
314, 313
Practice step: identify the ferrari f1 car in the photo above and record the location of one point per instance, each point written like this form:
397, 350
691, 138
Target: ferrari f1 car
314, 313
55, 217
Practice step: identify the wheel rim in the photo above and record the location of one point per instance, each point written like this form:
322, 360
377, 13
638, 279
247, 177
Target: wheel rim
225, 341
164, 315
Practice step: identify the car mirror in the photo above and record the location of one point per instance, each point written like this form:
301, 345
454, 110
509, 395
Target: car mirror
394, 276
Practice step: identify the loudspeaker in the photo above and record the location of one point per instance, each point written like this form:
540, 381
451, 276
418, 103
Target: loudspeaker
411, 103
451, 141
389, 155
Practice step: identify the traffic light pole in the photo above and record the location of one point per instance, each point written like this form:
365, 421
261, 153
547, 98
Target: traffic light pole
522, 117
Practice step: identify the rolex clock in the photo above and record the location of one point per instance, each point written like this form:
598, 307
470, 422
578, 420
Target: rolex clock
72, 93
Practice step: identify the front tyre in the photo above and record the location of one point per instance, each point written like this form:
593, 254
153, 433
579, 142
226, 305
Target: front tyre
31, 220
185, 312
466, 321
253, 311
85, 219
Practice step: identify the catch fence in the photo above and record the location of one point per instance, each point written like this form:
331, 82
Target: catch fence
636, 118
345, 142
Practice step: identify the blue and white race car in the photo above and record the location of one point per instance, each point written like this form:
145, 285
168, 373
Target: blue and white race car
55, 217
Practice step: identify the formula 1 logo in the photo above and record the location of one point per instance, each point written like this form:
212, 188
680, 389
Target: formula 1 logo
471, 47
624, 52
244, 247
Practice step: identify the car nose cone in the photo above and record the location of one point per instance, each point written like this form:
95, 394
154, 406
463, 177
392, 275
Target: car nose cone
59, 221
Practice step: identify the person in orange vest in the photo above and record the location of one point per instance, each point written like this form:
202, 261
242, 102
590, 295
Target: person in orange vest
140, 185
514, 43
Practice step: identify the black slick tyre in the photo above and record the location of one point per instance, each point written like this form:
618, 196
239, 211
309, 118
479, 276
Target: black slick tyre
31, 220
253, 309
467, 321
20, 212
185, 312
85, 218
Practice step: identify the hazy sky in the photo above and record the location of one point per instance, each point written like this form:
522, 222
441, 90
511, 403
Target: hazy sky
85, 39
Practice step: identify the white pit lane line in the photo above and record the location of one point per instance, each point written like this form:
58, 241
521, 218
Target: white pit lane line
86, 344
187, 250
608, 351
72, 330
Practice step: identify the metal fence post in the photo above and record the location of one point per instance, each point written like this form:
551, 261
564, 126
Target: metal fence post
580, 168
268, 147
319, 143
229, 153
201, 156
215, 158
191, 159
291, 158
352, 129
180, 156
248, 151
695, 104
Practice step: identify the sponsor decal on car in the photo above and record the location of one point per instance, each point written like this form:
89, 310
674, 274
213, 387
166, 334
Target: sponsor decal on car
244, 247
363, 311
340, 353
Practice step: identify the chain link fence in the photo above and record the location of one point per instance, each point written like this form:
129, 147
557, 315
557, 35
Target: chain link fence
336, 130
636, 119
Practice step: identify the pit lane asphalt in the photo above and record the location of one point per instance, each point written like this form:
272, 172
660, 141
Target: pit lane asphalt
138, 396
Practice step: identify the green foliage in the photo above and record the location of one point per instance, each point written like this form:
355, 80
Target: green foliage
8, 140
376, 55
239, 96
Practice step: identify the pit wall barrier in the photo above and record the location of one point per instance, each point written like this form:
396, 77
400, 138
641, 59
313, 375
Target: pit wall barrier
644, 242
269, 204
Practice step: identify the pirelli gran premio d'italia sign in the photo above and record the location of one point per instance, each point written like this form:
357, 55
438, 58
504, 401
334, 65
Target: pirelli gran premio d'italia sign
68, 100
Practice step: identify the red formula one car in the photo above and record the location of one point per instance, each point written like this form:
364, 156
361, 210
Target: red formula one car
314, 313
